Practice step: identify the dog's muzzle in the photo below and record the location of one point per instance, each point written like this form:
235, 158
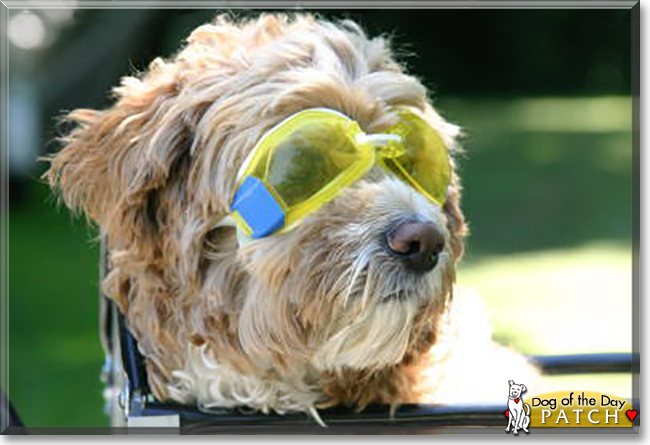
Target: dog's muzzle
417, 244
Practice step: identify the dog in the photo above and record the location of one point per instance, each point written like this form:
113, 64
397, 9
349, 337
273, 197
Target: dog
352, 305
518, 417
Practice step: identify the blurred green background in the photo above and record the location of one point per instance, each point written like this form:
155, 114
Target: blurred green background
543, 97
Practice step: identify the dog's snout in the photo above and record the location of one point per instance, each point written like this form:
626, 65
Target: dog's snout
416, 243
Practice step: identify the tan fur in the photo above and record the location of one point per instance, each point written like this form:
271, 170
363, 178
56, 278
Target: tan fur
315, 316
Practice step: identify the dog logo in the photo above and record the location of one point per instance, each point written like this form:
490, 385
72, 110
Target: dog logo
518, 416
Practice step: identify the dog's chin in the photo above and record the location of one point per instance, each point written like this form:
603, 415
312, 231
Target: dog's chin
380, 333
378, 337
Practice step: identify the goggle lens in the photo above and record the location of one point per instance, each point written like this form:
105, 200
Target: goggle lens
425, 162
307, 160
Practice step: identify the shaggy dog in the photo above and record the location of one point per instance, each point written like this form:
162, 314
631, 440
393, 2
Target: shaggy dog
319, 315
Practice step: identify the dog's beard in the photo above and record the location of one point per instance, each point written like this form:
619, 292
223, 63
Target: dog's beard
379, 307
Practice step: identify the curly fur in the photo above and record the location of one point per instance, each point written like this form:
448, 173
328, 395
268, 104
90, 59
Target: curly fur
316, 316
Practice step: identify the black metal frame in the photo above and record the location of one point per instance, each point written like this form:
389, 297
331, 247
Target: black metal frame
138, 401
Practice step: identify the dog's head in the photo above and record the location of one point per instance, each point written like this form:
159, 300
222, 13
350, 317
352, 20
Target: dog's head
356, 284
516, 390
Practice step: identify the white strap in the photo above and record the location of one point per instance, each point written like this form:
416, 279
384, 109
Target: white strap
226, 221
378, 139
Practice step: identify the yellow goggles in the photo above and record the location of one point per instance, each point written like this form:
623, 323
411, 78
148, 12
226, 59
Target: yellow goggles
307, 159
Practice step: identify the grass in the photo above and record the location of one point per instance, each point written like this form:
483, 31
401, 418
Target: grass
548, 196
532, 189
568, 301
586, 289
54, 351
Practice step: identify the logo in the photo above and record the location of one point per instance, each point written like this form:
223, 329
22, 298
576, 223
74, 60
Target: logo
518, 412
581, 409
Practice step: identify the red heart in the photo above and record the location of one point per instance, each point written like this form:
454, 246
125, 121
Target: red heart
507, 413
631, 414
516, 400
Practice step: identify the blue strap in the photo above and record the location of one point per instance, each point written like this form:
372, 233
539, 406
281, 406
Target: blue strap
257, 206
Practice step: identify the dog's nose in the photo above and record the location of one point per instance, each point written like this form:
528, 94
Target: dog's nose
416, 243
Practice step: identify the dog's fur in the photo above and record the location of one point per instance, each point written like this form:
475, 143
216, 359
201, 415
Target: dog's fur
518, 416
313, 317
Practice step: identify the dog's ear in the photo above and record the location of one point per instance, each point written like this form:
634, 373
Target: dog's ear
523, 389
511, 382
114, 162
455, 219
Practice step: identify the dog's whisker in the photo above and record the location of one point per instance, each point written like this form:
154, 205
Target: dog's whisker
360, 264
314, 414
